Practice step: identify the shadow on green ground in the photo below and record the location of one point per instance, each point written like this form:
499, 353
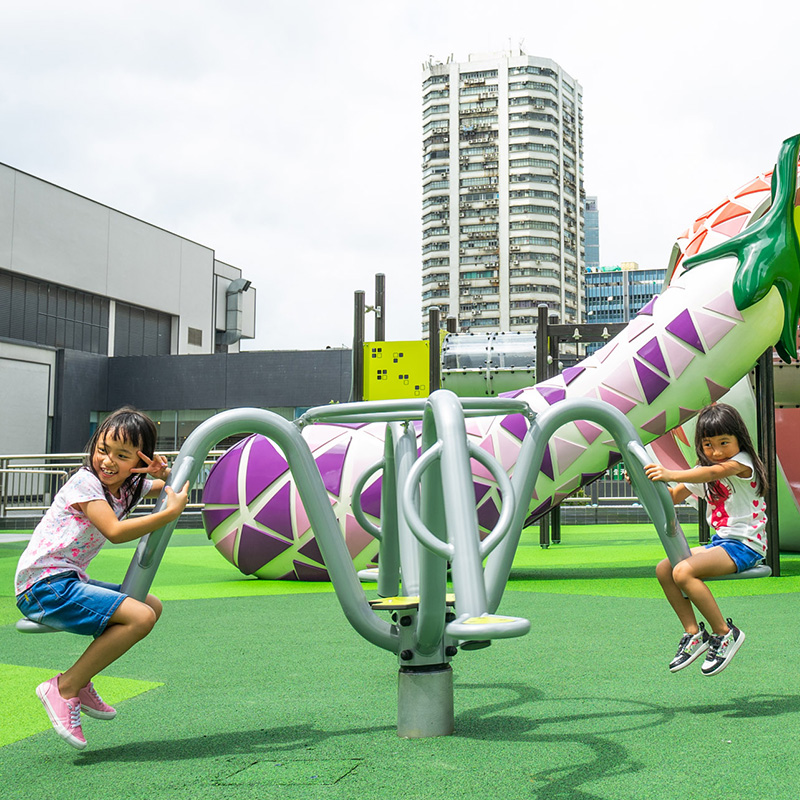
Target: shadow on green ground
273, 695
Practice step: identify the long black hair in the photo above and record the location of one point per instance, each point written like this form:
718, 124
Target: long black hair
126, 424
720, 419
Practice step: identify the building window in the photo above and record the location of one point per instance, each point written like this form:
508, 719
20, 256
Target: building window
48, 314
141, 332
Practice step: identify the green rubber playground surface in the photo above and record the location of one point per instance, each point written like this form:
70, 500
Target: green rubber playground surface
252, 689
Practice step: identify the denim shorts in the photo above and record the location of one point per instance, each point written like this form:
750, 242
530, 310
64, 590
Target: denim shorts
66, 603
743, 556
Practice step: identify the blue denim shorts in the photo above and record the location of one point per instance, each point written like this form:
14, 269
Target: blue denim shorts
743, 556
66, 603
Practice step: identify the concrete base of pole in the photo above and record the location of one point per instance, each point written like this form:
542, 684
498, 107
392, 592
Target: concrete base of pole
425, 702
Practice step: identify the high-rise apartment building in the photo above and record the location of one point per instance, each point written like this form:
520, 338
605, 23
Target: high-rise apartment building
502, 188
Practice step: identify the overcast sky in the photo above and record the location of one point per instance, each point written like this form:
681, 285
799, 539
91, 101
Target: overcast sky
287, 135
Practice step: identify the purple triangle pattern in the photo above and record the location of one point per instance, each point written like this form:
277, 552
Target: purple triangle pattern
305, 572
257, 548
547, 463
488, 514
264, 464
552, 394
724, 304
371, 499
480, 491
715, 390
214, 517
277, 513
330, 465
221, 484
656, 425
683, 328
647, 308
652, 383
515, 393
588, 430
651, 353
539, 511
516, 425
570, 373
311, 551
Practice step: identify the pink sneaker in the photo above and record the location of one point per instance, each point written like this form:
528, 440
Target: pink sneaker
64, 714
93, 705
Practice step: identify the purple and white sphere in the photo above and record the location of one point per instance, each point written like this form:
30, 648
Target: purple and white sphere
253, 513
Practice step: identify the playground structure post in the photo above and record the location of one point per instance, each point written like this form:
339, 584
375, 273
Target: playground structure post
359, 313
765, 424
542, 352
380, 307
434, 351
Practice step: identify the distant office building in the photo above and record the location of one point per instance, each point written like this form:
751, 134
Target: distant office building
617, 293
502, 187
592, 233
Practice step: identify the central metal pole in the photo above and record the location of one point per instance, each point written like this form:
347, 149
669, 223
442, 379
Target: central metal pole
425, 702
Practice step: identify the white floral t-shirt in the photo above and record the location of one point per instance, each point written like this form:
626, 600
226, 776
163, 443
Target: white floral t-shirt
65, 540
741, 512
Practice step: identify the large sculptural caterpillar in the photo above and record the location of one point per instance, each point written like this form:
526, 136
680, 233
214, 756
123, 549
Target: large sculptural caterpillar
732, 292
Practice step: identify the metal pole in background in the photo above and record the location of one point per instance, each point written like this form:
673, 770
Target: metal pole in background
541, 375
434, 351
555, 514
765, 418
359, 314
380, 307
452, 325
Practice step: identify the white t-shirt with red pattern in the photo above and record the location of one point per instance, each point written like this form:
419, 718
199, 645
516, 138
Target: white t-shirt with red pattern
741, 512
65, 540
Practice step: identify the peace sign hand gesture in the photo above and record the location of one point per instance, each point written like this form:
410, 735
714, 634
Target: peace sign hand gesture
156, 466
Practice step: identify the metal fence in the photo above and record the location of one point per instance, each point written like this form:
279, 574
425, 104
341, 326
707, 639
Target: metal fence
28, 483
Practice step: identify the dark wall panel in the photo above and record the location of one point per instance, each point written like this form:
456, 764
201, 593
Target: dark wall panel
269, 379
81, 387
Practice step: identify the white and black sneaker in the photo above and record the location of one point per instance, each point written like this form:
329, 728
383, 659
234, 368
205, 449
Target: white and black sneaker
722, 649
690, 647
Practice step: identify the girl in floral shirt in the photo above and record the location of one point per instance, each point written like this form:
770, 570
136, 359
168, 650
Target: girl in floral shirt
51, 583
732, 479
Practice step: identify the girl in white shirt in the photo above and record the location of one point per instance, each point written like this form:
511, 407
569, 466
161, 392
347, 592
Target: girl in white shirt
732, 480
51, 583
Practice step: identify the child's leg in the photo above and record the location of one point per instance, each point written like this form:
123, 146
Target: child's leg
130, 623
680, 604
686, 578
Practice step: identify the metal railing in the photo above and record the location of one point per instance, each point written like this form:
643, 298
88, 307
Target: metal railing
29, 482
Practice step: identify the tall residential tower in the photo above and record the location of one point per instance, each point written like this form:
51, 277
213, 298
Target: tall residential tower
502, 191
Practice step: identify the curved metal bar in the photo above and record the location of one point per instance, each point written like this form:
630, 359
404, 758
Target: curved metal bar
411, 409
405, 455
389, 551
312, 492
655, 497
506, 517
657, 500
417, 526
355, 500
